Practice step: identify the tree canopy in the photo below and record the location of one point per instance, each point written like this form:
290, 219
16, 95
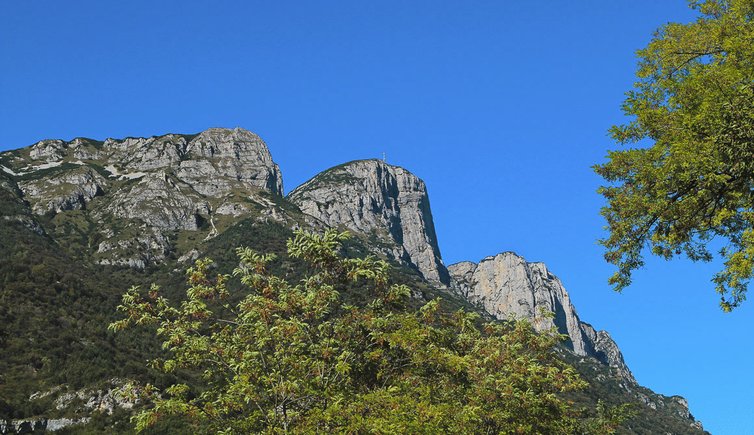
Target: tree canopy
297, 358
690, 178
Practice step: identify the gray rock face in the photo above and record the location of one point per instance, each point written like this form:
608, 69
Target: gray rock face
12, 206
148, 186
69, 190
40, 425
507, 286
213, 162
114, 397
219, 160
380, 200
606, 351
49, 150
159, 201
136, 247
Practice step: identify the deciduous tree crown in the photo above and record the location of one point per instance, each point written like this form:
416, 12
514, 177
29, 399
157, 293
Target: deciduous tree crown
694, 103
297, 358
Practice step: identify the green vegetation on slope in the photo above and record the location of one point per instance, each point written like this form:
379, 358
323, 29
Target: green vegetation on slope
298, 358
56, 302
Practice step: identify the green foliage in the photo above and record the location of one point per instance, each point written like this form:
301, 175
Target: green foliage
298, 358
53, 313
609, 419
694, 102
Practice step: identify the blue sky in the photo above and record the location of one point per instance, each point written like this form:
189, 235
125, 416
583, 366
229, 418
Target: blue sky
500, 106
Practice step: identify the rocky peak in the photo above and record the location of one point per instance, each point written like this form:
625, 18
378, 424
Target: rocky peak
382, 201
235, 154
214, 161
146, 187
506, 285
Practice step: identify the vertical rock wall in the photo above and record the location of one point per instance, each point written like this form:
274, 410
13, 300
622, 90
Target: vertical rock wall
506, 285
383, 201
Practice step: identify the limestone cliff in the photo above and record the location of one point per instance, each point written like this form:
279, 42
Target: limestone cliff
384, 201
506, 286
139, 191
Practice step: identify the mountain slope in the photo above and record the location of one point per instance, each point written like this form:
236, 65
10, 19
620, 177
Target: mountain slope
136, 192
83, 220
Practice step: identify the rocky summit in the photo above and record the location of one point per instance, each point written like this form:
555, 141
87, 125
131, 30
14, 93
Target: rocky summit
82, 220
386, 202
146, 188
506, 285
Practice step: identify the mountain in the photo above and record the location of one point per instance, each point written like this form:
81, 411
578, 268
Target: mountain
146, 187
385, 202
506, 284
82, 220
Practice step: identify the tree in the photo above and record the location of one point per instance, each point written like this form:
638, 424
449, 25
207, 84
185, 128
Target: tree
297, 358
693, 104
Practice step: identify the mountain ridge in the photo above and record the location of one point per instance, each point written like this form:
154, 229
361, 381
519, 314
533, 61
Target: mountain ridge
143, 203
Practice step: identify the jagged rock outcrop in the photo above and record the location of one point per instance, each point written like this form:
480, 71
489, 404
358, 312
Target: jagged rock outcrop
506, 285
383, 201
42, 425
135, 246
160, 201
69, 190
150, 187
49, 150
603, 348
12, 206
213, 162
219, 160
114, 396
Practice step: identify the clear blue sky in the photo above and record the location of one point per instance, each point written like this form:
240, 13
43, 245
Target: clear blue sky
500, 106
